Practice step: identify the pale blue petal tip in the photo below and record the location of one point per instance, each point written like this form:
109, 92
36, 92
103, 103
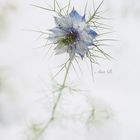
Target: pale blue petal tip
86, 43
55, 18
81, 55
92, 33
83, 18
76, 15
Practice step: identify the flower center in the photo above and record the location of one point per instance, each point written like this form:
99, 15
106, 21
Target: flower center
70, 37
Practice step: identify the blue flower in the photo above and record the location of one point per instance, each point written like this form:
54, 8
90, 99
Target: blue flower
72, 35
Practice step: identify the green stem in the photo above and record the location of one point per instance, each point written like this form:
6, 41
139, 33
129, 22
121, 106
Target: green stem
56, 103
61, 91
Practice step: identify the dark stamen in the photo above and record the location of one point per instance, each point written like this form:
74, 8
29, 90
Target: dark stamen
70, 37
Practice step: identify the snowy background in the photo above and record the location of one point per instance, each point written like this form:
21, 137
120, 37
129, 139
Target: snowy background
24, 68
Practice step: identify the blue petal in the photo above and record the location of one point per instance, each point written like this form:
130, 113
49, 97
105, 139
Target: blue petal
87, 43
71, 29
57, 21
92, 33
74, 14
57, 31
79, 53
83, 17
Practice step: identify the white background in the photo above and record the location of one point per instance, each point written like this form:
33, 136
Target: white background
22, 67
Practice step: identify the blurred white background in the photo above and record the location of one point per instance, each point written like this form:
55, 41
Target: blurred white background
22, 67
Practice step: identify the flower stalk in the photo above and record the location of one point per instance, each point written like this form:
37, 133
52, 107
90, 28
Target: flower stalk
60, 93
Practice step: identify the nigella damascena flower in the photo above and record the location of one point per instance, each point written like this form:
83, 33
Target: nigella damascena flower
72, 34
